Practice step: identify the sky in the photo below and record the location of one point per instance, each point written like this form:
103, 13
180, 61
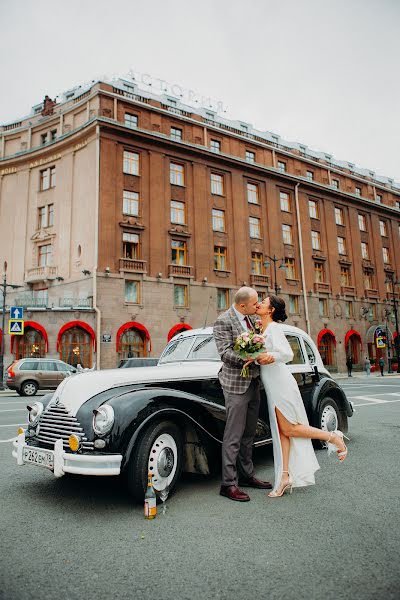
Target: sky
324, 73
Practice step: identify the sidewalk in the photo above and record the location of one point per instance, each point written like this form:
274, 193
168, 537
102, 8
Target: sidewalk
14, 393
363, 375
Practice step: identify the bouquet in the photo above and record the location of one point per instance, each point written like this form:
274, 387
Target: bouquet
248, 345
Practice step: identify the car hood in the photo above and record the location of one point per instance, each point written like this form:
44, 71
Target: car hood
77, 389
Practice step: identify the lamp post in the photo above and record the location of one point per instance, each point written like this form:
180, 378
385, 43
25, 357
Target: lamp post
387, 311
390, 279
281, 266
4, 285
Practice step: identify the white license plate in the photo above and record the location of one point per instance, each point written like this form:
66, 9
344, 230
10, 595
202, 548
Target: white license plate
39, 457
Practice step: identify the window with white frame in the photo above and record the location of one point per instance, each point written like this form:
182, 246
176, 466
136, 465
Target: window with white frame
386, 255
252, 193
335, 184
254, 227
132, 292
130, 203
176, 134
383, 228
131, 121
313, 209
379, 198
287, 234
215, 146
357, 191
250, 156
281, 166
176, 174
217, 184
284, 198
362, 222
310, 175
218, 220
131, 246
45, 255
316, 240
339, 219
364, 250
178, 212
131, 163
341, 242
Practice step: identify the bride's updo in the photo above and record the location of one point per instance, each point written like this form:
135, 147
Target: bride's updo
279, 305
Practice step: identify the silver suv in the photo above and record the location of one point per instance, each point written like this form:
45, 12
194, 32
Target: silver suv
28, 375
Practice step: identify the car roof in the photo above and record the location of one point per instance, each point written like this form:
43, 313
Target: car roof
209, 331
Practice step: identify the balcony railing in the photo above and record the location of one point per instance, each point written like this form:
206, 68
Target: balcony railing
259, 279
40, 274
31, 302
180, 271
322, 287
348, 290
75, 302
132, 265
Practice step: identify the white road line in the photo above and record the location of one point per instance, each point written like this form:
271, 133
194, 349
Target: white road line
377, 403
16, 402
10, 440
13, 410
11, 425
369, 399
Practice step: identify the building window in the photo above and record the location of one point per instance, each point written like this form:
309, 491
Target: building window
373, 312
313, 209
53, 135
285, 201
215, 146
132, 292
386, 255
339, 216
43, 139
131, 163
319, 272
131, 121
349, 309
222, 299
131, 246
335, 184
252, 193
379, 198
345, 276
294, 305
254, 227
178, 252
281, 166
181, 295
178, 212
45, 257
358, 192
323, 307
130, 203
341, 242
218, 220
217, 184
250, 157
257, 263
50, 215
176, 134
220, 263
368, 280
47, 178
287, 234
362, 222
310, 175
290, 268
364, 250
397, 204
42, 217
176, 174
316, 240
383, 228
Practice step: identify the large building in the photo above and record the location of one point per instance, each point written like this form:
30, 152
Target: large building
127, 216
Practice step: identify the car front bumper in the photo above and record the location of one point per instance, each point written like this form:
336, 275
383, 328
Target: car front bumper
67, 462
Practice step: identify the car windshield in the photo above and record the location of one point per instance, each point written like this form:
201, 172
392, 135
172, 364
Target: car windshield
204, 349
176, 350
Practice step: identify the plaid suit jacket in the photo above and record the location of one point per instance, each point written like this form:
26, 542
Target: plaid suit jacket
226, 329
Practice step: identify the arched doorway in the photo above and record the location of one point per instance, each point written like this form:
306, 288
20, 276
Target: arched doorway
33, 344
375, 352
133, 341
179, 328
327, 348
353, 346
75, 343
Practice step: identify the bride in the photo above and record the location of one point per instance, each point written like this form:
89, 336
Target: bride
294, 457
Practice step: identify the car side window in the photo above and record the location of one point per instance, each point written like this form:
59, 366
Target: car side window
47, 365
29, 365
204, 348
63, 367
310, 353
298, 358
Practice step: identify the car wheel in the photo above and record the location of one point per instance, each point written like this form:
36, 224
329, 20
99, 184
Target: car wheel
330, 417
29, 388
158, 451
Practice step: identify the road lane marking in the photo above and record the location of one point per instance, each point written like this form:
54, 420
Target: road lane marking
370, 399
13, 410
16, 402
377, 403
10, 440
11, 425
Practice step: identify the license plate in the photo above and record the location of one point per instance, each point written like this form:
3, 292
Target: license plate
39, 457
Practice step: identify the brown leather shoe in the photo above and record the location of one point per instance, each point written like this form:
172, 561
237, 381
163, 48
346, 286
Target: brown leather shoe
253, 482
233, 493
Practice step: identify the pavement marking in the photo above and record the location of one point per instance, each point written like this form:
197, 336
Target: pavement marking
17, 425
377, 403
13, 410
370, 399
17, 402
10, 440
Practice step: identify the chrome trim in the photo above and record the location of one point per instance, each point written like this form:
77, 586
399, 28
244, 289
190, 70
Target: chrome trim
56, 423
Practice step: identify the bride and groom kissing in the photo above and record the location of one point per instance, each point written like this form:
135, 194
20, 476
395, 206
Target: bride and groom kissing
294, 459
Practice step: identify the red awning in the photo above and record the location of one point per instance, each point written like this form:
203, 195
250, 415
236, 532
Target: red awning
395, 334
178, 327
131, 325
80, 324
325, 332
38, 327
348, 336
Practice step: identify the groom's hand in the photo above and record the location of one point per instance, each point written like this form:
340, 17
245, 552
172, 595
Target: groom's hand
265, 359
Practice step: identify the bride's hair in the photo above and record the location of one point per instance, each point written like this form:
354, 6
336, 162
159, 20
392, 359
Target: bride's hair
278, 304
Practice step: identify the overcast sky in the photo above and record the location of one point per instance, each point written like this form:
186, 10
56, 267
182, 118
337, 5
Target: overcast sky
321, 72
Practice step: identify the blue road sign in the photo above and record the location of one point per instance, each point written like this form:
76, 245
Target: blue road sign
16, 312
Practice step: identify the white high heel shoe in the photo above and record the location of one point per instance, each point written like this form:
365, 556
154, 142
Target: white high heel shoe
280, 492
333, 448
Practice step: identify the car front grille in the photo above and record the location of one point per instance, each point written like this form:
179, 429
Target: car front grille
55, 422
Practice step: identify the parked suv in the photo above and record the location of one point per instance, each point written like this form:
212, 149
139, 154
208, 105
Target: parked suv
28, 375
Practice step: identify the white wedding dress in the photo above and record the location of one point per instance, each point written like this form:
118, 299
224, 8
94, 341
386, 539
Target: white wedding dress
283, 393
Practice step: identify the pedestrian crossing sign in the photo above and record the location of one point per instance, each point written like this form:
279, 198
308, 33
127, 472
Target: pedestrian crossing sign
16, 327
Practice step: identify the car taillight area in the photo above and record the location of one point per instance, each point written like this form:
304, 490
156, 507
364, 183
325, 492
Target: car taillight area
10, 372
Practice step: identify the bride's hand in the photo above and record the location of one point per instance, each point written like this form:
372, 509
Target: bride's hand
246, 364
265, 359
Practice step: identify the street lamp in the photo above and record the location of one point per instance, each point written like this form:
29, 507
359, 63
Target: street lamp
281, 266
387, 312
4, 287
390, 279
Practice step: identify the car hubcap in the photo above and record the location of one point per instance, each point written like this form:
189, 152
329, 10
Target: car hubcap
163, 460
329, 418
29, 389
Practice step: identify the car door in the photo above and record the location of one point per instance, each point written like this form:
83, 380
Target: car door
49, 372
63, 370
301, 368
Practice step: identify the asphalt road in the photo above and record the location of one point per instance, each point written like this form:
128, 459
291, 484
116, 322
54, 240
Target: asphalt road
77, 538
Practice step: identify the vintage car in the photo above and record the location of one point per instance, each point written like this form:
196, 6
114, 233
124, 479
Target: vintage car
165, 419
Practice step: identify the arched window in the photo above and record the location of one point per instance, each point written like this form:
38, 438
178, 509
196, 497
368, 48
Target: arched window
326, 347
76, 347
31, 344
353, 346
132, 344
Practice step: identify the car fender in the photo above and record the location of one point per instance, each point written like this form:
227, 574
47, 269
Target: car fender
328, 387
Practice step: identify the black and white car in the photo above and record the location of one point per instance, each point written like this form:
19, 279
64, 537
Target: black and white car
165, 419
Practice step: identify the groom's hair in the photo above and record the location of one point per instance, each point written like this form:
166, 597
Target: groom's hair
243, 294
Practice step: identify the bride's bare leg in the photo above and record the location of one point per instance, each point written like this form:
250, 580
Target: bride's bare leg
306, 431
285, 445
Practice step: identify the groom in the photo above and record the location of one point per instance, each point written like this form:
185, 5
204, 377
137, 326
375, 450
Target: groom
242, 397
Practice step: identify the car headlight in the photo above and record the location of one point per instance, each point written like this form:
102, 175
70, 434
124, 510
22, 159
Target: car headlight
35, 410
103, 419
